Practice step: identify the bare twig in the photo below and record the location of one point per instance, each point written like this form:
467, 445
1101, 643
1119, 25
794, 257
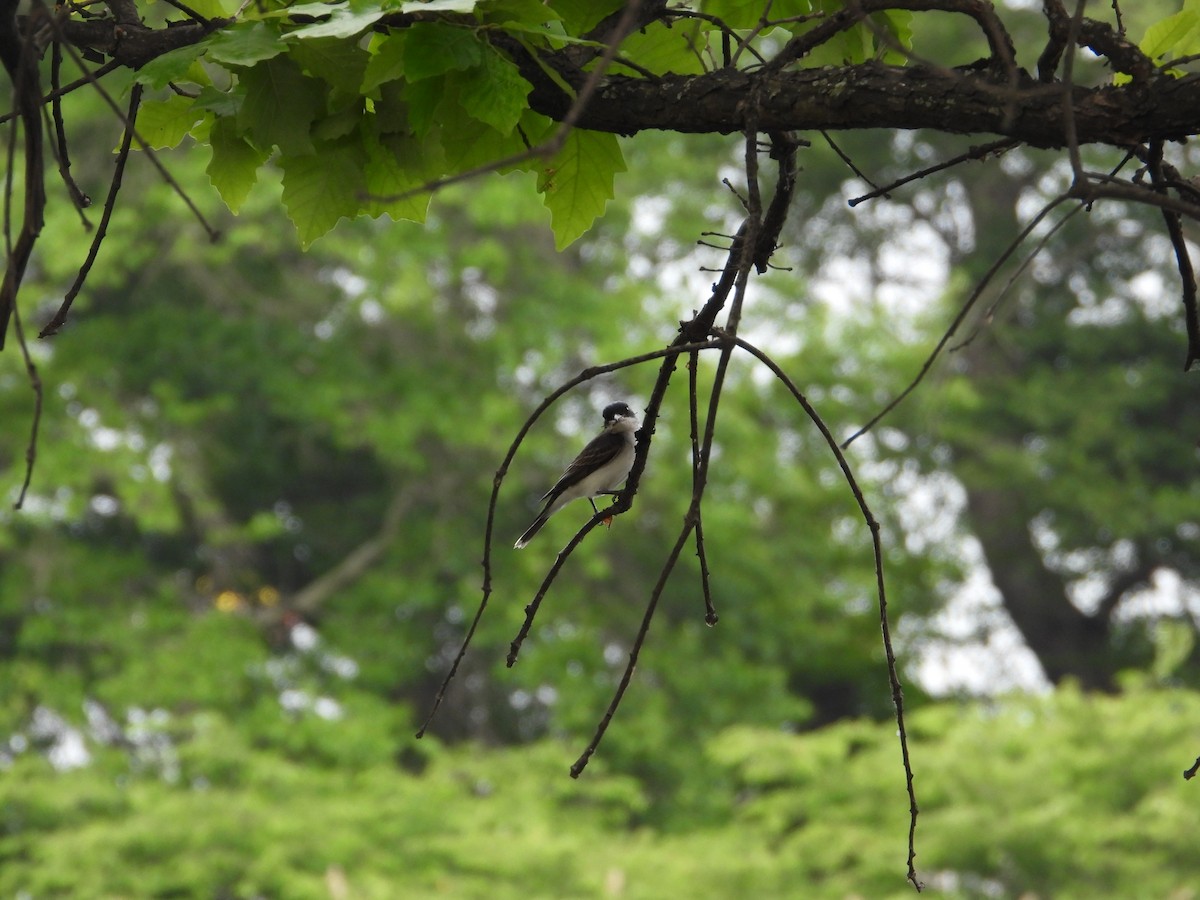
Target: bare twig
110, 202
1183, 261
166, 176
877, 550
979, 152
35, 384
498, 480
958, 319
78, 197
710, 611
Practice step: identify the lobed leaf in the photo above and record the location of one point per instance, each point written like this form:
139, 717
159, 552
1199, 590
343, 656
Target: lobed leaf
578, 183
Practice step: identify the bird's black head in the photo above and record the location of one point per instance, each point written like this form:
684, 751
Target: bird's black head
615, 411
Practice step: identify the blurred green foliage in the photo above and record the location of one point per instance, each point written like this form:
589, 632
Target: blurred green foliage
227, 426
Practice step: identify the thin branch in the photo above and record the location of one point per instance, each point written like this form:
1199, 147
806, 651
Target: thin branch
1190, 773
876, 190
978, 152
20, 61
109, 67
166, 176
877, 550
110, 202
1068, 85
958, 319
1183, 261
35, 383
78, 197
584, 376
689, 522
710, 611
1016, 274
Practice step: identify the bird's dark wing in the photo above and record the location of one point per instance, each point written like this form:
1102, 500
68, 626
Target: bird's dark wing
600, 450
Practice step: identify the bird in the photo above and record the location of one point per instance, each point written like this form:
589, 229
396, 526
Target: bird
602, 465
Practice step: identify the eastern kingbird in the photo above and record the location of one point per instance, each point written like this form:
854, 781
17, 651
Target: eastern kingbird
598, 469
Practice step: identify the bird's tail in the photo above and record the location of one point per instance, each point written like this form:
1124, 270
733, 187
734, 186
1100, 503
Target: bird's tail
531, 531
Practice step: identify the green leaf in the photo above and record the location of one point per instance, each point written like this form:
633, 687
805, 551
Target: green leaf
397, 164
899, 23
213, 9
246, 44
524, 12
435, 49
422, 102
222, 103
1175, 33
344, 21
661, 49
164, 123
280, 106
171, 66
337, 62
233, 169
458, 6
578, 183
322, 187
386, 62
495, 92
749, 13
580, 16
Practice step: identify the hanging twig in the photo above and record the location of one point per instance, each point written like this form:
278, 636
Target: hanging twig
710, 611
60, 317
877, 550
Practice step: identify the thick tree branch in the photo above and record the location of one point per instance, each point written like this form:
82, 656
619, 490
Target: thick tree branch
873, 95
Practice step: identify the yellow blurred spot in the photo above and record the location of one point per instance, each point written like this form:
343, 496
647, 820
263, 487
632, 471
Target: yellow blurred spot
228, 601
268, 596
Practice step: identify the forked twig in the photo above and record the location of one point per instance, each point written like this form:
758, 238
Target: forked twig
60, 317
489, 530
958, 319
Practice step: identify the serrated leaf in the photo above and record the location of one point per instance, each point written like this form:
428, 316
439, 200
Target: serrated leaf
221, 103
336, 62
171, 66
343, 22
386, 62
323, 187
395, 166
164, 123
422, 102
246, 44
435, 49
578, 183
280, 106
233, 169
495, 92
339, 122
